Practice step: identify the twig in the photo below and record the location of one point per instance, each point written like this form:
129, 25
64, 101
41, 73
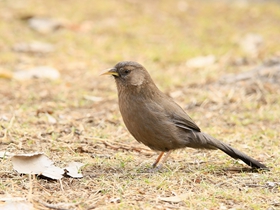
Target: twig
61, 185
128, 148
30, 186
115, 145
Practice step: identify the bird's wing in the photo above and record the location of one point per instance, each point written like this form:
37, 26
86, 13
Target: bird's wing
179, 117
185, 122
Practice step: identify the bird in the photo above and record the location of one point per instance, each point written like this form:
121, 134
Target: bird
156, 120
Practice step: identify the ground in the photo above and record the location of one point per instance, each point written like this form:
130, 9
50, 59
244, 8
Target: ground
62, 118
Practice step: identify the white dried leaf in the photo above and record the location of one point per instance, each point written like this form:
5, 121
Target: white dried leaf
4, 154
53, 172
36, 163
44, 24
15, 203
93, 98
37, 72
4, 117
272, 184
51, 119
251, 43
73, 169
175, 199
176, 94
172, 199
115, 200
33, 47
201, 61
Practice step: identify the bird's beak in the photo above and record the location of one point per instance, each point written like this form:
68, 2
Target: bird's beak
111, 71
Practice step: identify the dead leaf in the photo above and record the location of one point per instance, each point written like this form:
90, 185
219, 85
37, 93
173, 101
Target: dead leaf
4, 154
176, 198
44, 24
73, 169
15, 203
115, 200
31, 163
44, 110
37, 72
93, 98
33, 47
272, 184
201, 61
36, 163
53, 172
251, 43
51, 119
176, 94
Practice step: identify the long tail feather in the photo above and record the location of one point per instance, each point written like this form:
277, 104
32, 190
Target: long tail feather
232, 152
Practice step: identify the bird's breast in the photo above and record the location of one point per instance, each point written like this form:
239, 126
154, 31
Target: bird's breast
147, 121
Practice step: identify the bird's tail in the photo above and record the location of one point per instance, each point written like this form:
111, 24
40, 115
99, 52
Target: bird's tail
234, 153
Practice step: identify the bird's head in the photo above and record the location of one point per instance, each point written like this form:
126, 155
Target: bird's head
128, 73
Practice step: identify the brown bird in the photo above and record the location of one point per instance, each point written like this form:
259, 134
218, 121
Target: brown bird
154, 119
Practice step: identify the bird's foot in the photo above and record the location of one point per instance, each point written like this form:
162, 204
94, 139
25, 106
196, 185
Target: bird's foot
155, 168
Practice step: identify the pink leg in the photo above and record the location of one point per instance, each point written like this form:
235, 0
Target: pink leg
165, 157
163, 160
158, 159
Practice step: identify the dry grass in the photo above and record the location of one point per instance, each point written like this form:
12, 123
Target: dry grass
162, 37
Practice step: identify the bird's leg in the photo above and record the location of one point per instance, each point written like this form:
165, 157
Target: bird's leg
158, 159
165, 158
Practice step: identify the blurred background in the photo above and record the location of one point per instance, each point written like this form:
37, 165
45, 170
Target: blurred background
91, 35
208, 55
183, 44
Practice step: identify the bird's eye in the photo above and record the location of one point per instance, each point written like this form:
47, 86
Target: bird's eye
126, 71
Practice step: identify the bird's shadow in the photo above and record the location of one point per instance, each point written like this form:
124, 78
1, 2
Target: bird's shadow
242, 170
216, 170
147, 169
